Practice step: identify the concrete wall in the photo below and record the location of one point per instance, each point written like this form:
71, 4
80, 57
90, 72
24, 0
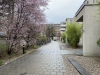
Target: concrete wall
91, 33
81, 41
80, 14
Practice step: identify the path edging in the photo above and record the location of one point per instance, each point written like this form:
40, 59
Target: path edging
11, 60
78, 67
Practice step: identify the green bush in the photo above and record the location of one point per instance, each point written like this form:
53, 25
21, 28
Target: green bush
3, 37
68, 40
1, 62
74, 32
33, 47
42, 38
98, 42
3, 49
63, 36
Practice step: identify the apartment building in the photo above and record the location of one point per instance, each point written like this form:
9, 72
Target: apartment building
70, 20
64, 24
62, 27
91, 27
57, 29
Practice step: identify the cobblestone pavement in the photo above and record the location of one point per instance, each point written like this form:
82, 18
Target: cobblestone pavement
47, 60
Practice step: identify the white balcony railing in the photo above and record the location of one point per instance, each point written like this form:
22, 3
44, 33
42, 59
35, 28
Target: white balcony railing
63, 29
63, 25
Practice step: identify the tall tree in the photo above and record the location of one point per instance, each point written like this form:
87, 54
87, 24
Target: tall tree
24, 20
50, 31
53, 32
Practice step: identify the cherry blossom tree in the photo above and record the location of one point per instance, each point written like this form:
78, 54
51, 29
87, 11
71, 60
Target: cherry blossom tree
24, 20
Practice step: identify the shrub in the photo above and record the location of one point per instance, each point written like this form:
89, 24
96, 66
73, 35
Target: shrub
3, 36
98, 42
1, 62
68, 40
35, 46
74, 32
41, 39
63, 36
3, 49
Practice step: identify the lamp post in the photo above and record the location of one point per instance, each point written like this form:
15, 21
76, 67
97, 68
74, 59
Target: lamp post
23, 49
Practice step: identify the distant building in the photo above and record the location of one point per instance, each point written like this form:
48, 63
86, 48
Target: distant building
57, 29
70, 20
62, 27
64, 24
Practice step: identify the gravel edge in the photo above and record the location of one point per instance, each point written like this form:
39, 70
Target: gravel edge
91, 64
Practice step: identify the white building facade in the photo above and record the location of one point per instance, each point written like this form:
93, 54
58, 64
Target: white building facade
91, 27
62, 27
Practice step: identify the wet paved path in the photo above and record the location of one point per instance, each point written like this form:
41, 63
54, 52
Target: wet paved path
47, 60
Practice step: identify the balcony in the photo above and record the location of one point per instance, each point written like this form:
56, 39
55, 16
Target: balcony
62, 25
86, 2
62, 29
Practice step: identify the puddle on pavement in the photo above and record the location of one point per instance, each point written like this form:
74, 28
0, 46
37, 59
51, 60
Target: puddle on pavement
63, 47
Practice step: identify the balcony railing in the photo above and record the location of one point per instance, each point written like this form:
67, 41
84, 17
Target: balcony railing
63, 29
80, 8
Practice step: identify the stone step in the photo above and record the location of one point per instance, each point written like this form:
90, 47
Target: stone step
78, 67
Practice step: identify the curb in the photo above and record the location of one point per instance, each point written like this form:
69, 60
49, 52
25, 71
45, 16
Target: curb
11, 60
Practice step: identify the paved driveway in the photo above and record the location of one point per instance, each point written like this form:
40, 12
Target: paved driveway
47, 60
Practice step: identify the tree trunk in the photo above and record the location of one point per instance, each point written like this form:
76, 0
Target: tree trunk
9, 51
23, 50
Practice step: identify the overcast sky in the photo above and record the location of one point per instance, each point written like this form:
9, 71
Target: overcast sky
59, 10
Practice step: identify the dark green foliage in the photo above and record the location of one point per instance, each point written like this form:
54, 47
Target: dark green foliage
98, 42
42, 38
74, 32
53, 33
68, 40
3, 49
3, 36
50, 31
1, 62
64, 37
